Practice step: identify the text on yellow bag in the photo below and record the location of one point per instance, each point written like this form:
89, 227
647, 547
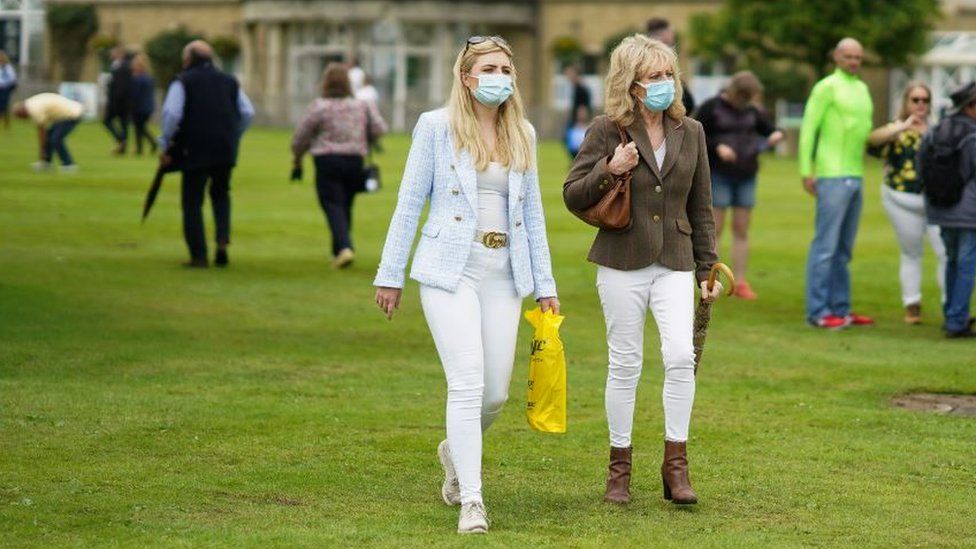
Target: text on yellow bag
546, 408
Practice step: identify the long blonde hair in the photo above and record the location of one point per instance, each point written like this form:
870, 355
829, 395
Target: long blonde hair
913, 85
634, 57
513, 146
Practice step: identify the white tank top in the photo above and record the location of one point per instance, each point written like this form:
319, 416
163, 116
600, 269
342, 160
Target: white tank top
493, 198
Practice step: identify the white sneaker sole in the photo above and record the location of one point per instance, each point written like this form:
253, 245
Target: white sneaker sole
449, 494
475, 530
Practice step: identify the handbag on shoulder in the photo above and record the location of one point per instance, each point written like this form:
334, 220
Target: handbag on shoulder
611, 212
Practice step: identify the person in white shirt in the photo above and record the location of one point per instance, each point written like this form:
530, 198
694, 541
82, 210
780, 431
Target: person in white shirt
357, 76
56, 116
367, 92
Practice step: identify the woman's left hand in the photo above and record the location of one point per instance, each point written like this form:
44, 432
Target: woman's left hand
547, 303
710, 296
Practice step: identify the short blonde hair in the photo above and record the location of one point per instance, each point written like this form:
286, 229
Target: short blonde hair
513, 141
634, 57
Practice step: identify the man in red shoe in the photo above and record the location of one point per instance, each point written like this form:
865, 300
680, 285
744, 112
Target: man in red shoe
833, 138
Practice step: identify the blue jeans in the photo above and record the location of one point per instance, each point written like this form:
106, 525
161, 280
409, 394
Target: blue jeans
960, 276
828, 279
56, 136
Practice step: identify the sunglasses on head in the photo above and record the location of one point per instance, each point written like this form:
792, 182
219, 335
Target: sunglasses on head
918, 100
482, 39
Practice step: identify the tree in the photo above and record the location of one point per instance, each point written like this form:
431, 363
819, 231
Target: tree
71, 26
750, 33
165, 52
227, 48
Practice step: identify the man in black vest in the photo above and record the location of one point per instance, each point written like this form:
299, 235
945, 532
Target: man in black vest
203, 117
118, 103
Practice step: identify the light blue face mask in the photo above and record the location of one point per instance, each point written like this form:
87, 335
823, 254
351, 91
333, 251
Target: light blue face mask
493, 89
659, 95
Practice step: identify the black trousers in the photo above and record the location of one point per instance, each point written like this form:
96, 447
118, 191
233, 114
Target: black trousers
194, 187
117, 122
337, 179
140, 121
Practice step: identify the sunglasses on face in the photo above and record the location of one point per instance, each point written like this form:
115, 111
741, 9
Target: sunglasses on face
482, 39
920, 100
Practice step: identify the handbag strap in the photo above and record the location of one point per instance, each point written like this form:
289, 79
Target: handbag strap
624, 139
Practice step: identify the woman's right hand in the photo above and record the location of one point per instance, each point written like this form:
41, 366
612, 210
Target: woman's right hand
388, 300
624, 159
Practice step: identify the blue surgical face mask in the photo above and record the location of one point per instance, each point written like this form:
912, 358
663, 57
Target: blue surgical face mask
493, 89
659, 95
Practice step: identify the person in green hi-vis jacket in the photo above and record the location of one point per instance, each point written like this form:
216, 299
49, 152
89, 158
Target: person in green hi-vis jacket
833, 140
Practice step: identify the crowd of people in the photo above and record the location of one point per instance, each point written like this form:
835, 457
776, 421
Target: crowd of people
484, 244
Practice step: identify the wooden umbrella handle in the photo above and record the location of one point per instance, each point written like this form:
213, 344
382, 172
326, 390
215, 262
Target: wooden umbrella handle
728, 275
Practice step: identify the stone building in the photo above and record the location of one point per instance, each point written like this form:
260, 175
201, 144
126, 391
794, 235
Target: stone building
409, 46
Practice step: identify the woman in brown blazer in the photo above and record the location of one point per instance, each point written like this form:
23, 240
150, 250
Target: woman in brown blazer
653, 264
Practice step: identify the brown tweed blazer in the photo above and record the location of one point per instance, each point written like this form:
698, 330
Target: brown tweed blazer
671, 208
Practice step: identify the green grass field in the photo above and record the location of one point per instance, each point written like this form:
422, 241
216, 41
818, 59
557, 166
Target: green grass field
271, 404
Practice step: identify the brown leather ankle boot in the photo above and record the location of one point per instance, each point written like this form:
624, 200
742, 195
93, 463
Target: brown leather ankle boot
674, 474
618, 479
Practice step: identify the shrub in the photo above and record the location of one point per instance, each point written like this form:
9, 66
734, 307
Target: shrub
165, 52
70, 27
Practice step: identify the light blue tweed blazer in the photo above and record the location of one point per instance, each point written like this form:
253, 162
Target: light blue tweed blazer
448, 179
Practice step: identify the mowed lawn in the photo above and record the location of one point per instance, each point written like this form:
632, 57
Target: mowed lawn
271, 404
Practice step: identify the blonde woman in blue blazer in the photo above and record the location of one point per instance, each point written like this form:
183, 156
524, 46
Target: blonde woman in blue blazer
482, 249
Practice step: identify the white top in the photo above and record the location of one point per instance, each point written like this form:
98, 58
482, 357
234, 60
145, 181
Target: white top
659, 154
48, 108
357, 77
493, 198
369, 94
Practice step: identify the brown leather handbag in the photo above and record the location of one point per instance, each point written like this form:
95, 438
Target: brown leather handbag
611, 212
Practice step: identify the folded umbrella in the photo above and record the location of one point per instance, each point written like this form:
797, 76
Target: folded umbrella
157, 182
703, 313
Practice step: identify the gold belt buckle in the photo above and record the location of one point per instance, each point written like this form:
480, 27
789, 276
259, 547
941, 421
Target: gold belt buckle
493, 240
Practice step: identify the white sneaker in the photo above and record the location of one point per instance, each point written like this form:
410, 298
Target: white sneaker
70, 168
473, 519
451, 489
344, 259
41, 166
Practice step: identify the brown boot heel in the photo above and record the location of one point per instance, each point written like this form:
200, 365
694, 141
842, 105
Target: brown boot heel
674, 474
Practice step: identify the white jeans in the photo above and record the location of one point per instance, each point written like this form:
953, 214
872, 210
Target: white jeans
626, 296
906, 211
475, 329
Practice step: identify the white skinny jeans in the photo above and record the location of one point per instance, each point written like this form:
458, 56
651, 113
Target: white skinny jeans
475, 330
906, 211
626, 296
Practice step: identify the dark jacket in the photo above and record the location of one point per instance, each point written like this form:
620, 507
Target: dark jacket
209, 131
120, 85
671, 209
737, 128
687, 99
143, 95
961, 215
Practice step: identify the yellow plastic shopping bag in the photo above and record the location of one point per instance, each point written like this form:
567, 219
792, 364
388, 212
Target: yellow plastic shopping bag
546, 409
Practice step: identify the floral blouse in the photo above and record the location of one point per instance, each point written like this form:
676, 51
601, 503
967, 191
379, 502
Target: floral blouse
899, 162
337, 126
